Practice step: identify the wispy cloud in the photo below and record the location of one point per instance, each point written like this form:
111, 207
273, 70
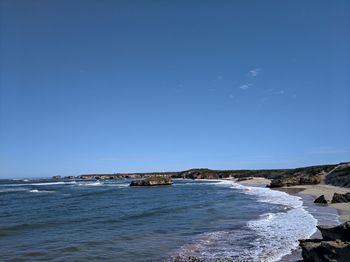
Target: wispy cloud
254, 72
245, 86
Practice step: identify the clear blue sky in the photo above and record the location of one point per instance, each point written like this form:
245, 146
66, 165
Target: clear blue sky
124, 86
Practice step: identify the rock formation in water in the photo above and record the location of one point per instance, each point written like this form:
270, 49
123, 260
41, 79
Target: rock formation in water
153, 181
321, 200
334, 247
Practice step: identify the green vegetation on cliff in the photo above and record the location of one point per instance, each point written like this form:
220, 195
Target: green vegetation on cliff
338, 174
153, 181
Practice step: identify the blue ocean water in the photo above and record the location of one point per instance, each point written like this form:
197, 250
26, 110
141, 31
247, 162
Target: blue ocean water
49, 220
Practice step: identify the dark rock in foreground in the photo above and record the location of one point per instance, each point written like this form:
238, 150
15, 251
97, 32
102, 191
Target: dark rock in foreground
318, 250
334, 247
321, 200
153, 181
341, 198
341, 232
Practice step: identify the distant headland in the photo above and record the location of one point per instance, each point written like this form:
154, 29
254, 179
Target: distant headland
335, 174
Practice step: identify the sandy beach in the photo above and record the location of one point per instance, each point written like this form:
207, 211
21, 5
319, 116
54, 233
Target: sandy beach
312, 190
257, 181
328, 191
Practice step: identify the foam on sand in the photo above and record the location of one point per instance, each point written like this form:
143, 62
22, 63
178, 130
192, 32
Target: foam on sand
268, 238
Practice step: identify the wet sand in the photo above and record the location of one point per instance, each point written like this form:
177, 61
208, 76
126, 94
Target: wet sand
312, 190
325, 214
327, 191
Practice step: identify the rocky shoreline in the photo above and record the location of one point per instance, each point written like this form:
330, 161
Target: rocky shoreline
153, 181
334, 245
336, 174
328, 184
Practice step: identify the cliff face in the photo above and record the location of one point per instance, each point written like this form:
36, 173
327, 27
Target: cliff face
340, 176
153, 181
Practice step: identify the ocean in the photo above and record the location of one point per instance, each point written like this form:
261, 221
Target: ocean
80, 220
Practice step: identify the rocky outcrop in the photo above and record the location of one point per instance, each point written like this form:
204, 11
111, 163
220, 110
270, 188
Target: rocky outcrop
316, 250
296, 180
310, 180
321, 200
69, 177
153, 181
341, 198
244, 179
339, 176
334, 247
280, 177
341, 232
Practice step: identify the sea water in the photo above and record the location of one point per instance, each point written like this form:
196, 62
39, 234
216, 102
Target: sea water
82, 220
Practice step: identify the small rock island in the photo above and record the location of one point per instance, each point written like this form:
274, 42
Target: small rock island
153, 181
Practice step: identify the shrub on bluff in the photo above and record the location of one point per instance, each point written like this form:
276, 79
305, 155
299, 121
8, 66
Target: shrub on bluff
153, 181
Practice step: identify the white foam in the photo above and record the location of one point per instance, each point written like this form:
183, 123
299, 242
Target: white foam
40, 191
41, 184
269, 238
47, 183
117, 184
97, 183
279, 233
18, 189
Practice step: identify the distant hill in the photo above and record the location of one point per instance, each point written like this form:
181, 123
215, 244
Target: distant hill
336, 174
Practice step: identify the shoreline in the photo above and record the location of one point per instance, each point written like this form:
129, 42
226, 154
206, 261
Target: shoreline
314, 191
308, 193
293, 254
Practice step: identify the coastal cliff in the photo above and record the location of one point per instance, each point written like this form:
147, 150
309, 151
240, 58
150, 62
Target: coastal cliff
153, 181
338, 175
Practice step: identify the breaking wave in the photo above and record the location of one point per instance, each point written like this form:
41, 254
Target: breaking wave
267, 239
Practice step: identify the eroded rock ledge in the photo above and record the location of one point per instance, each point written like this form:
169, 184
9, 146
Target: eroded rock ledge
334, 247
153, 181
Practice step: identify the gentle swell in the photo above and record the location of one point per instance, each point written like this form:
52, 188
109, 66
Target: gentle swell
268, 238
